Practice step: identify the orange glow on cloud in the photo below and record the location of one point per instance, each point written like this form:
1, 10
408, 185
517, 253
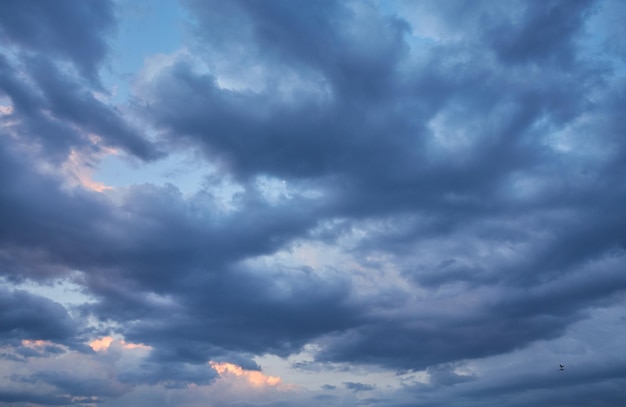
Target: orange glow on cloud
101, 344
127, 345
104, 343
252, 376
79, 167
29, 343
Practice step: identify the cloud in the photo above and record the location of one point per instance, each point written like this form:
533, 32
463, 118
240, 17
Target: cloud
25, 316
358, 387
255, 378
46, 102
430, 190
72, 31
543, 32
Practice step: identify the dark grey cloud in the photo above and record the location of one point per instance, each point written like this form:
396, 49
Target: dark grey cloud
61, 113
350, 142
40, 351
28, 221
320, 37
51, 106
381, 156
50, 400
67, 29
416, 342
70, 103
475, 181
544, 32
228, 122
279, 313
358, 387
549, 380
26, 316
79, 386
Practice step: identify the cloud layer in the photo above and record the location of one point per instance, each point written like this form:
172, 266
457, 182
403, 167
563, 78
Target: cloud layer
431, 191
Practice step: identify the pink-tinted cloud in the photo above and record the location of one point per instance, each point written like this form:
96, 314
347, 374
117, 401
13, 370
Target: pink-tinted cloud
79, 166
253, 377
104, 343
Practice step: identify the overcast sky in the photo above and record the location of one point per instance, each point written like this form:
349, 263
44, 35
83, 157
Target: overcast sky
312, 203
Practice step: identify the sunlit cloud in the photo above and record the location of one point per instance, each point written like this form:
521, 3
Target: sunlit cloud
253, 377
79, 167
129, 345
104, 343
35, 343
101, 344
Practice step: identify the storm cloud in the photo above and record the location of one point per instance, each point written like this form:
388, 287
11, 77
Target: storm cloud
402, 197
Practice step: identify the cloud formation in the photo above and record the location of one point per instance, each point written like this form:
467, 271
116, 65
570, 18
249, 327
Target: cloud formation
427, 197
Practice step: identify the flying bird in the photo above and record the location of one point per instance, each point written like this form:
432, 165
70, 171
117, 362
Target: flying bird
562, 367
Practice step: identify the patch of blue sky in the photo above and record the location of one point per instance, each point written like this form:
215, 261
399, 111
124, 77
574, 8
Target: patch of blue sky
145, 28
62, 291
120, 171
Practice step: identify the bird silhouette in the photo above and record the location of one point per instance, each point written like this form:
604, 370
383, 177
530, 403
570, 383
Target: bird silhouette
561, 367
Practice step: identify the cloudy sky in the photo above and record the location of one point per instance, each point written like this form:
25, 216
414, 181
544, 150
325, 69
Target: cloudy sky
312, 203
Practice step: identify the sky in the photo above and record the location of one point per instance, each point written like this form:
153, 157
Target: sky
312, 203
